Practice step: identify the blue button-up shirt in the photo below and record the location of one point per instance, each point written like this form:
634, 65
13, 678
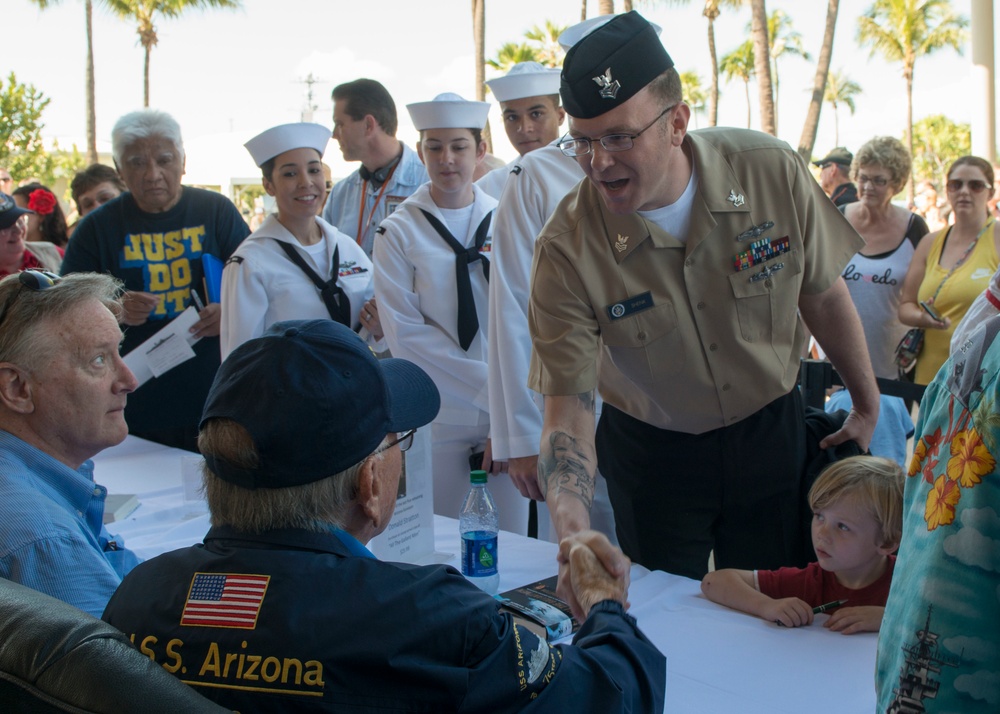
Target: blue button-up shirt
52, 536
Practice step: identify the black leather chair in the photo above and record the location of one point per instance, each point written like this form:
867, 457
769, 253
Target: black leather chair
56, 658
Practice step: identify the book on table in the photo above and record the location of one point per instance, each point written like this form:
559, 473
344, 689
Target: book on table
538, 604
118, 506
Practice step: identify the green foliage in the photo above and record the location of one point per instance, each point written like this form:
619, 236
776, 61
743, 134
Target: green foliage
546, 40
841, 89
692, 90
937, 142
905, 30
738, 64
21, 149
782, 38
510, 54
246, 200
542, 46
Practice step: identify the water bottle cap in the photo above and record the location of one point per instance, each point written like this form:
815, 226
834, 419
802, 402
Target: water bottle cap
478, 477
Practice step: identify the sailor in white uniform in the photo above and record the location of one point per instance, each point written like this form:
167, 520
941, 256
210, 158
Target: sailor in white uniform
532, 114
432, 290
537, 182
296, 265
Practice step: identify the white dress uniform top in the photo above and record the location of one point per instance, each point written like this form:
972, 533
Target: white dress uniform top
418, 305
261, 285
417, 288
492, 183
537, 182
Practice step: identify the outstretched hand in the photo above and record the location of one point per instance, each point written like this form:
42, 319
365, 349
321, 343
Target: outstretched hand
591, 570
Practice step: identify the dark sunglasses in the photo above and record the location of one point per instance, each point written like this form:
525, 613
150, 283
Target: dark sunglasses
975, 185
34, 280
37, 279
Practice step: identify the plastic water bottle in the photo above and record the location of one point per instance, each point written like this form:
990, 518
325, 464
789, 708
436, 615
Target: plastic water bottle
478, 524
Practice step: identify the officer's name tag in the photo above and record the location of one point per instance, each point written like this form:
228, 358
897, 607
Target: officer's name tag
630, 306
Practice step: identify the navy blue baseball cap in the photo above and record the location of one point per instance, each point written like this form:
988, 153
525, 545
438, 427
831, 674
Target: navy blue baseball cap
315, 401
612, 64
10, 211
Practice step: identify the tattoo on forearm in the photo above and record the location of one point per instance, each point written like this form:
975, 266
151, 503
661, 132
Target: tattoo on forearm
567, 468
587, 400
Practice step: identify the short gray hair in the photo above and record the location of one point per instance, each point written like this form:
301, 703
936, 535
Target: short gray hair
143, 124
22, 310
888, 153
313, 506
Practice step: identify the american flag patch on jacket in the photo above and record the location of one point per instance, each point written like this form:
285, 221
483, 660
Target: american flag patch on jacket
224, 600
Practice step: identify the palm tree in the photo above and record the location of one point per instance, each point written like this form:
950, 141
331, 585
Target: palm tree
479, 39
762, 65
740, 64
549, 51
904, 31
840, 89
88, 9
711, 11
510, 54
782, 40
605, 7
145, 12
808, 139
694, 93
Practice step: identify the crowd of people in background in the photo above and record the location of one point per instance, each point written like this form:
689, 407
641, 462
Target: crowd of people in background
520, 296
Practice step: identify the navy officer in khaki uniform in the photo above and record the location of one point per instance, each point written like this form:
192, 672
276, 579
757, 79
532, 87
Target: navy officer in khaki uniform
283, 608
672, 280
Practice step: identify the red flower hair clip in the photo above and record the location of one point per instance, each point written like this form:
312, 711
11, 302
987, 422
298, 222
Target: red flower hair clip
41, 201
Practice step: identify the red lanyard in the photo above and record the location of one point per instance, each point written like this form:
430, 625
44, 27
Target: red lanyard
364, 194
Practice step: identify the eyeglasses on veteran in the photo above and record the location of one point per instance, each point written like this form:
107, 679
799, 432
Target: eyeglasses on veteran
403, 438
572, 146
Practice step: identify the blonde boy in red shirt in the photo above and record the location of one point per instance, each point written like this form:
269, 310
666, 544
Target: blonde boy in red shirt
856, 527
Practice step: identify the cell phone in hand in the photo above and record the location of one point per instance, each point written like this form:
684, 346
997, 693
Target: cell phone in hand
930, 311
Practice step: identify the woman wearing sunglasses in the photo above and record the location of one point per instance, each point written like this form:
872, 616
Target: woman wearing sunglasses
953, 266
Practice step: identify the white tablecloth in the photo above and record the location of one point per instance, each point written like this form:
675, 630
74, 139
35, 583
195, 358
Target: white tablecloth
718, 661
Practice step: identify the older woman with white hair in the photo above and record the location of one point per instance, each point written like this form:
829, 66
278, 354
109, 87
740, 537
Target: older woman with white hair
153, 238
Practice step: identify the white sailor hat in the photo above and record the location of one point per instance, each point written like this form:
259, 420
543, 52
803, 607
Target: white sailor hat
285, 137
574, 33
525, 79
448, 111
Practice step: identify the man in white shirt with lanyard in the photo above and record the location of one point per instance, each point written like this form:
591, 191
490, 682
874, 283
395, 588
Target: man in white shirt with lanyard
364, 124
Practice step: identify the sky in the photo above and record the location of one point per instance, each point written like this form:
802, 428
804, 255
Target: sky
228, 75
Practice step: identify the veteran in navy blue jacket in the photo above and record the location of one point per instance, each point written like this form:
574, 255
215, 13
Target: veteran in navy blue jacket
283, 608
